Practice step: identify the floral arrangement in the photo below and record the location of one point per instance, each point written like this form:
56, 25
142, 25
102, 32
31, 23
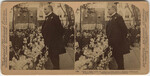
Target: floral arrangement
93, 54
34, 54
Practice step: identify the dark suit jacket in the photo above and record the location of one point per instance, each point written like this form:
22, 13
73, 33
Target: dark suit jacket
116, 32
52, 32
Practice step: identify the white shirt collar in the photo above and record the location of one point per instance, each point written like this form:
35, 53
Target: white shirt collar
48, 13
113, 14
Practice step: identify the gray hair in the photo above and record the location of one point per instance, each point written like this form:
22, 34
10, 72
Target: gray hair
113, 5
49, 6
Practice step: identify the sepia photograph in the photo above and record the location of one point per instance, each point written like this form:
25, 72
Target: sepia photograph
75, 38
108, 37
41, 36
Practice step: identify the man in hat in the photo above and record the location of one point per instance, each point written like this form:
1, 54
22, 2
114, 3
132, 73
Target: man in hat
116, 32
52, 32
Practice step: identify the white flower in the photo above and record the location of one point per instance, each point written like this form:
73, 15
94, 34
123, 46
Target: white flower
10, 44
87, 52
98, 39
84, 67
92, 40
14, 59
37, 68
22, 57
78, 65
76, 44
82, 57
90, 65
25, 67
99, 68
12, 63
91, 45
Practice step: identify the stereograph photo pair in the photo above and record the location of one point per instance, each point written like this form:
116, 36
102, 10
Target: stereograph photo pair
80, 37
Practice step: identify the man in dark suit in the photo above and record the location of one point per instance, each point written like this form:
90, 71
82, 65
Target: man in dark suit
52, 32
116, 32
